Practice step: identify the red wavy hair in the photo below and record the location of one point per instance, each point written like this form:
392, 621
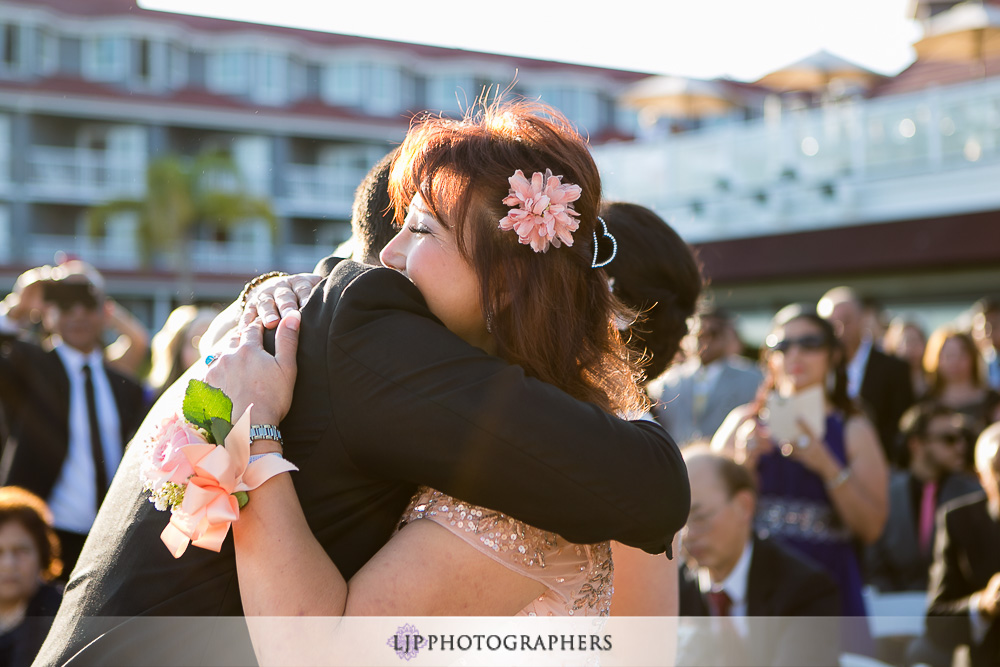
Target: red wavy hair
550, 313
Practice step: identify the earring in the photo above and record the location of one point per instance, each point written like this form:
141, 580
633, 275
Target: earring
831, 381
489, 323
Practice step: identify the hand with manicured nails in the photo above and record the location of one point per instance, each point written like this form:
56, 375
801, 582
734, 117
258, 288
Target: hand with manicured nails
247, 373
277, 297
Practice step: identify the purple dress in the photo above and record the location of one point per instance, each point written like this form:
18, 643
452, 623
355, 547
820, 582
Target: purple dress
794, 508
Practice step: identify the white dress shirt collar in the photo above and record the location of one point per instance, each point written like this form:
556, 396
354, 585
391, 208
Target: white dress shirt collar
735, 584
856, 367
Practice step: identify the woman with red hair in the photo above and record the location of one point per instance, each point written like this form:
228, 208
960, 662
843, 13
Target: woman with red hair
501, 235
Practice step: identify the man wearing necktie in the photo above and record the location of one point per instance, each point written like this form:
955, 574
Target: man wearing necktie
694, 398
936, 440
735, 576
69, 414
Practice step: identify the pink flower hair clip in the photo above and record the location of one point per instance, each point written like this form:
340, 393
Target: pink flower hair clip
544, 215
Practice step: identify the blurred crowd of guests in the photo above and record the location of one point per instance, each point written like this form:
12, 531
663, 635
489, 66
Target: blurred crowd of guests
895, 488
897, 492
71, 399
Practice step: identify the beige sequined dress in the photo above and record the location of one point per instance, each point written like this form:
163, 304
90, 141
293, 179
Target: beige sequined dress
579, 577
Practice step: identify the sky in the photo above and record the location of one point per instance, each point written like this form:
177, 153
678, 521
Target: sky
740, 39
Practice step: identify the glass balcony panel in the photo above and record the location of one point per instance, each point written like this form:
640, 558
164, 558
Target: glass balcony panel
84, 173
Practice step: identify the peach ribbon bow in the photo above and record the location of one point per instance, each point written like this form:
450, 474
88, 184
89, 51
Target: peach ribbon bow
209, 507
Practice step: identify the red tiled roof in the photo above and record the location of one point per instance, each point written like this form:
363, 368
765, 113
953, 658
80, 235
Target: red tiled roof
196, 97
107, 8
925, 73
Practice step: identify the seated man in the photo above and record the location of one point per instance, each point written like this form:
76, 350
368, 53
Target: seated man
964, 590
740, 575
936, 439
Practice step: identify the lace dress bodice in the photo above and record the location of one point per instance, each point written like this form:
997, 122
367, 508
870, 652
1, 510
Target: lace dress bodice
579, 577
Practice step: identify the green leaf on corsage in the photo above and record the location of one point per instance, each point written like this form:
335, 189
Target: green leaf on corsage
242, 498
203, 403
220, 430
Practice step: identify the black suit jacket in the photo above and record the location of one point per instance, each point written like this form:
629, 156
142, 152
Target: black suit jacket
385, 399
34, 389
966, 556
792, 604
886, 392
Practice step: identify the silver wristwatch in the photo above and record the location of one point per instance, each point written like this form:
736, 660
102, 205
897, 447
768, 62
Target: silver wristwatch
265, 432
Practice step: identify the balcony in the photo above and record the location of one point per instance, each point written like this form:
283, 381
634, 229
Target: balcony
240, 257
121, 253
320, 191
110, 252
932, 153
85, 176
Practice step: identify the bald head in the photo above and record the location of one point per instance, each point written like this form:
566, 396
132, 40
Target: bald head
842, 307
988, 461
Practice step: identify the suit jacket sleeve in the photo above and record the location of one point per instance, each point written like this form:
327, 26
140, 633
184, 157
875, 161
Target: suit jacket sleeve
414, 402
948, 591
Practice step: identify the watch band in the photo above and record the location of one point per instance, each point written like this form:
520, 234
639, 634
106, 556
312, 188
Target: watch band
265, 432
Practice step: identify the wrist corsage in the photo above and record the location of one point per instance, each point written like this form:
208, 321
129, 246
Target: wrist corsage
202, 482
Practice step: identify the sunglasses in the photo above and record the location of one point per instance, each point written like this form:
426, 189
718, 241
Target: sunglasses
949, 438
808, 343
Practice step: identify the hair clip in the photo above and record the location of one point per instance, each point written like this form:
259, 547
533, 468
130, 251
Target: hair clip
614, 246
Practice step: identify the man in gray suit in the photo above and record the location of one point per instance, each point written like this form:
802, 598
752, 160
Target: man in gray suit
693, 399
936, 439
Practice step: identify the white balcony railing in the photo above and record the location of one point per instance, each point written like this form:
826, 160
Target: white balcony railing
886, 158
230, 256
121, 253
84, 174
112, 252
321, 190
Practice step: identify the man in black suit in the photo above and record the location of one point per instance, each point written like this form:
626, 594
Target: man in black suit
965, 578
881, 382
386, 398
69, 414
735, 574
937, 439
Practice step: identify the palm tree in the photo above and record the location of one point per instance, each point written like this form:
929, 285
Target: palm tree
182, 194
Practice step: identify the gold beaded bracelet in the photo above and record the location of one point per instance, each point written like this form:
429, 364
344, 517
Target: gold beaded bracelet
245, 294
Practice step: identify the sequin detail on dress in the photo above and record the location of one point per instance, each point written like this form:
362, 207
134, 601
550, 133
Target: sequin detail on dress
579, 577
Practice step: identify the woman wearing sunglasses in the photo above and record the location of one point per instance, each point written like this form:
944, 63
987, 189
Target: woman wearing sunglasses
825, 492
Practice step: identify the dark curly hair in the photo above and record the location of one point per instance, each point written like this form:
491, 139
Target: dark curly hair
656, 275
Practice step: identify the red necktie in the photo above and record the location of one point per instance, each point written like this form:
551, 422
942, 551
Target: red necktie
719, 603
928, 505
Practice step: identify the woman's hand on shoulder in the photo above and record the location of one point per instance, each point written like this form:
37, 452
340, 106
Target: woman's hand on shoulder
276, 297
248, 373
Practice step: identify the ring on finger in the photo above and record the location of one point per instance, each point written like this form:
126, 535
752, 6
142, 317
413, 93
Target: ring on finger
211, 358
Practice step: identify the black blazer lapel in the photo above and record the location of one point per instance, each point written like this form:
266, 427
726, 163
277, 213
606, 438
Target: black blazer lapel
762, 579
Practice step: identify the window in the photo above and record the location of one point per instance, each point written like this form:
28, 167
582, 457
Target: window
342, 83
142, 66
228, 71
12, 48
581, 106
385, 84
271, 80
178, 67
11, 45
451, 92
105, 58
48, 51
